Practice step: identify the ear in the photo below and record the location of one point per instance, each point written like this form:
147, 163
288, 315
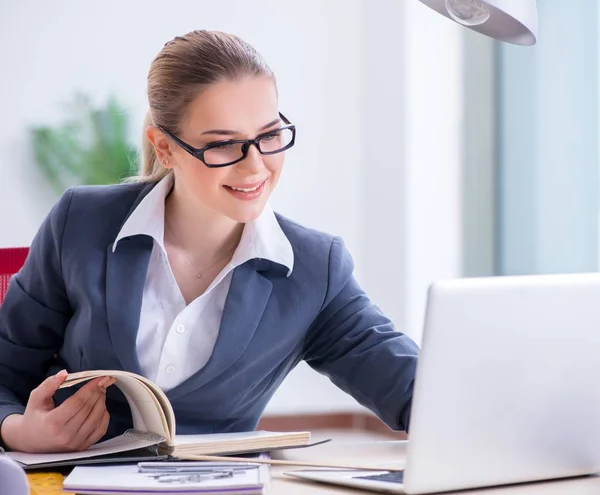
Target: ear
162, 145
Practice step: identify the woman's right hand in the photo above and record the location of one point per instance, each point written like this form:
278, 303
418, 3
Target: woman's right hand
75, 425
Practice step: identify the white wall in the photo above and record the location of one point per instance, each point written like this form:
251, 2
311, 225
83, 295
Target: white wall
434, 116
57, 47
412, 157
349, 73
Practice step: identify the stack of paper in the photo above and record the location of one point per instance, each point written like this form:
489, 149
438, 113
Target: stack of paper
235, 443
127, 480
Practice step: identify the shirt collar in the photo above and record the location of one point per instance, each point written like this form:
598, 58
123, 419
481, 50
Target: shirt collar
262, 238
148, 217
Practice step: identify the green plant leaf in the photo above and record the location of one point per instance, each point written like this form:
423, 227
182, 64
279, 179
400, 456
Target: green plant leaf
90, 147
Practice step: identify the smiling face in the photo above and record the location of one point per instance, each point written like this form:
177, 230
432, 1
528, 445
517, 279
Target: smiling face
228, 110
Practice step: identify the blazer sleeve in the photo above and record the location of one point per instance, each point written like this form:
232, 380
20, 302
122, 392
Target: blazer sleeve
34, 314
358, 348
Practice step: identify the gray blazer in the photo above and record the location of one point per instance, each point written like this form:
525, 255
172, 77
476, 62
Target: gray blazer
76, 299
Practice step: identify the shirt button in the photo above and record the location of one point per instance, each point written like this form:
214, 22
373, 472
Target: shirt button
170, 369
180, 329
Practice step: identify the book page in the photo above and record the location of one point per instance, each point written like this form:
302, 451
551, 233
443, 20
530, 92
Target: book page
248, 441
216, 438
121, 443
150, 409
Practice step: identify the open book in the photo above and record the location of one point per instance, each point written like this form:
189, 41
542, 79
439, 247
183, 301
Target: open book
154, 429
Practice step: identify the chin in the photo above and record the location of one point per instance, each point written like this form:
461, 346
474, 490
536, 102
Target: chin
246, 214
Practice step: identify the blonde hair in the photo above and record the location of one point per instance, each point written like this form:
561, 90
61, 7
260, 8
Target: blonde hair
186, 66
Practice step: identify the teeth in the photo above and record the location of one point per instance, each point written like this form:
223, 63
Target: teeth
245, 189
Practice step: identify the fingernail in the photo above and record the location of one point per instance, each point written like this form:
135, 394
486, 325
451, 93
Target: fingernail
102, 382
60, 374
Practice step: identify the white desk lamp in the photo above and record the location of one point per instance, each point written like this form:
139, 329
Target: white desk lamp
512, 21
13, 480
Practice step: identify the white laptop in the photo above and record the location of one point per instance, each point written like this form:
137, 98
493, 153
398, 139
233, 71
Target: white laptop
507, 387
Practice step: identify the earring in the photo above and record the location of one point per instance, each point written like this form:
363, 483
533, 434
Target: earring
165, 163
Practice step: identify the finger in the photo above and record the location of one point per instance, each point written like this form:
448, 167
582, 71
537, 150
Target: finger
86, 420
98, 426
91, 422
98, 432
76, 422
78, 405
69, 432
46, 390
109, 381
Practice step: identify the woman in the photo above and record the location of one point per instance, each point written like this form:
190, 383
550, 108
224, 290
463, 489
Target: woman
187, 277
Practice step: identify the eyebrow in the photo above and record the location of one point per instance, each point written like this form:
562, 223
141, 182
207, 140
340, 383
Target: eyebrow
228, 132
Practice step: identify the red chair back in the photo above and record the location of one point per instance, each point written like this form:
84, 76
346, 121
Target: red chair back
11, 261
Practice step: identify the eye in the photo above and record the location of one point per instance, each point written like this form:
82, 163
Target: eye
275, 135
222, 147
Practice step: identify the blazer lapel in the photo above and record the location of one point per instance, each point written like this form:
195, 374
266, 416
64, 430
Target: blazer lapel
126, 270
246, 301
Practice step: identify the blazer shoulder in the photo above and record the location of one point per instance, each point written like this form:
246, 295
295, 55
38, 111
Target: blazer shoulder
305, 239
107, 200
102, 209
106, 195
317, 254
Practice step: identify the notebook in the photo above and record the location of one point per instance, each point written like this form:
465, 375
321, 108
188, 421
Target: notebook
154, 432
126, 480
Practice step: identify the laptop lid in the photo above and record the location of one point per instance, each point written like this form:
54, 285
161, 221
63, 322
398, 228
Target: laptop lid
507, 386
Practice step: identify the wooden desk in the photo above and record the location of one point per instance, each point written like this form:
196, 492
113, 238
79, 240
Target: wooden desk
392, 451
388, 451
282, 485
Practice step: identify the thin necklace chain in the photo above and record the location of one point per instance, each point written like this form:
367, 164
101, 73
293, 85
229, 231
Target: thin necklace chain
198, 273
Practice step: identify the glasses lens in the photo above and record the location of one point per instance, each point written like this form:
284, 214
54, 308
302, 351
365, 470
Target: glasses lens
276, 140
223, 154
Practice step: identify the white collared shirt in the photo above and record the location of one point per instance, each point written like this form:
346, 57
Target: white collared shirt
174, 341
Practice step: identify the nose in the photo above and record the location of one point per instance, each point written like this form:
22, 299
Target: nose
253, 162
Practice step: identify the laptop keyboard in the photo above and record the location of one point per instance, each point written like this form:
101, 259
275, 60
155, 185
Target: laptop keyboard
391, 477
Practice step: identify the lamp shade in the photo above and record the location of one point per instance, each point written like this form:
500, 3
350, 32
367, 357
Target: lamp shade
13, 480
512, 21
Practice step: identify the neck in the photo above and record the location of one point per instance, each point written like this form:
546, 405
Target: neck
190, 221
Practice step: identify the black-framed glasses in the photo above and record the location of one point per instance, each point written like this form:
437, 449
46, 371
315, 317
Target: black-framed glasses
225, 153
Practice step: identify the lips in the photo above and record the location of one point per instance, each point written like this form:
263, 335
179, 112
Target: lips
248, 188
247, 191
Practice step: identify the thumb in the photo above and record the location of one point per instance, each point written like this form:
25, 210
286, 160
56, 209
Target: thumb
47, 389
